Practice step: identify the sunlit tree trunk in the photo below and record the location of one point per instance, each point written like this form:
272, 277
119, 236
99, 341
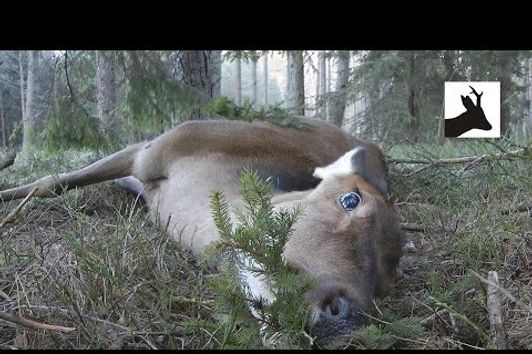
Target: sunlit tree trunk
528, 124
296, 81
106, 93
21, 85
338, 100
28, 123
265, 78
328, 87
322, 84
254, 81
238, 63
2, 118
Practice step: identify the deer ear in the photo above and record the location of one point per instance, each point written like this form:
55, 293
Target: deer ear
360, 167
354, 161
358, 161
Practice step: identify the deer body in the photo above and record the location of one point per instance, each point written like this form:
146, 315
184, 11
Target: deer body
352, 249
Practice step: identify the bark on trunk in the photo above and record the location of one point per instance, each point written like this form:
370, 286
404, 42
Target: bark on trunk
216, 72
265, 78
296, 82
200, 70
337, 102
254, 81
413, 107
528, 124
2, 119
21, 85
322, 84
238, 99
106, 93
506, 88
29, 116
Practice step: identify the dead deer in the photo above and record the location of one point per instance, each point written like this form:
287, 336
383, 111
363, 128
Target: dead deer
472, 118
348, 236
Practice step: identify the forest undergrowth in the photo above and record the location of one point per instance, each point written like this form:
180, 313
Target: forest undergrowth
92, 264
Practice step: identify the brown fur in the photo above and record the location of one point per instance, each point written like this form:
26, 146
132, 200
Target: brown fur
353, 254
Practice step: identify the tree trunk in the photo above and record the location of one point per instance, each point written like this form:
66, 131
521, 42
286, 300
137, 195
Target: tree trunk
329, 74
337, 102
216, 72
322, 84
2, 118
506, 89
21, 84
254, 81
528, 124
296, 82
106, 94
265, 78
238, 99
200, 70
413, 107
31, 93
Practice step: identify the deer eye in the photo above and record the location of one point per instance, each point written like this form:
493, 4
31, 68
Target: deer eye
350, 200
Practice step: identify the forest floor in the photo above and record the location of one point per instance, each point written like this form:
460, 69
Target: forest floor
91, 262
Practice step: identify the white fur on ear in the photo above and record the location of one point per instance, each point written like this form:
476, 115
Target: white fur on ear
341, 167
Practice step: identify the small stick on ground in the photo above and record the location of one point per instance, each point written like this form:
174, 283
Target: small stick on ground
497, 333
15, 211
413, 227
521, 209
432, 317
510, 154
5, 296
34, 324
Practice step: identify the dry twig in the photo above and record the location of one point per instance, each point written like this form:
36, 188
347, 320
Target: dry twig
498, 335
413, 227
509, 154
15, 211
34, 324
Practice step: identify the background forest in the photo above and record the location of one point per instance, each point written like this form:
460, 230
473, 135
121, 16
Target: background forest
92, 99
91, 263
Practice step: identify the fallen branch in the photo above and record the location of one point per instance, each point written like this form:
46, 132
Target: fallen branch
8, 160
15, 211
521, 209
509, 154
34, 324
503, 291
497, 333
413, 227
5, 296
432, 317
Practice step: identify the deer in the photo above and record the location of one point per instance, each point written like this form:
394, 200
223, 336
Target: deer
348, 236
472, 118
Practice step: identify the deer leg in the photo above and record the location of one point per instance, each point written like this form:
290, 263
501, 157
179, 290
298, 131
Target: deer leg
119, 164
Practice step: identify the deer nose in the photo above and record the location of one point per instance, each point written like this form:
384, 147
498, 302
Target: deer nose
338, 307
338, 317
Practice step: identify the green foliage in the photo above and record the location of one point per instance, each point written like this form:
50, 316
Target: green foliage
403, 90
259, 237
246, 55
155, 98
387, 330
72, 127
275, 114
